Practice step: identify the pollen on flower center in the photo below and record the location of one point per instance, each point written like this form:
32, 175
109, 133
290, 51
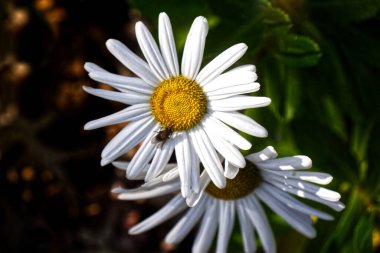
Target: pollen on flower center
178, 103
243, 184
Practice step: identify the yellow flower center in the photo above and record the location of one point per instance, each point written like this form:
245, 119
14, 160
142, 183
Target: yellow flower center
178, 103
243, 184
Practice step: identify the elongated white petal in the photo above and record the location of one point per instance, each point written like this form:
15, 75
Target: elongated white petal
127, 138
194, 197
226, 224
337, 206
183, 156
131, 113
170, 175
208, 156
314, 177
143, 155
167, 44
230, 79
239, 102
247, 67
186, 223
233, 91
258, 218
317, 190
222, 62
194, 46
89, 67
226, 132
207, 228
129, 98
305, 186
145, 193
228, 151
263, 155
291, 216
242, 123
194, 170
172, 208
287, 163
132, 61
151, 52
160, 159
122, 83
293, 203
230, 170
247, 231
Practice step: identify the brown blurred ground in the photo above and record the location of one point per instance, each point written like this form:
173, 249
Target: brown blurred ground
54, 196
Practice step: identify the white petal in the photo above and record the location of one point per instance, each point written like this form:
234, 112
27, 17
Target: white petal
298, 162
239, 102
194, 198
292, 217
230, 79
131, 113
222, 62
242, 123
208, 156
317, 190
247, 231
293, 203
129, 98
132, 61
151, 52
247, 67
127, 138
171, 175
175, 206
233, 91
226, 132
160, 159
89, 67
227, 150
337, 206
263, 155
194, 171
314, 177
167, 44
143, 155
230, 171
183, 155
186, 223
305, 186
145, 193
194, 46
257, 216
122, 83
226, 224
122, 165
207, 228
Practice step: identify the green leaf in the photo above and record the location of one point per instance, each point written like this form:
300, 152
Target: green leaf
362, 241
275, 20
299, 51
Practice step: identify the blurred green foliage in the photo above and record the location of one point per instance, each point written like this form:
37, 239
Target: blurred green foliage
319, 62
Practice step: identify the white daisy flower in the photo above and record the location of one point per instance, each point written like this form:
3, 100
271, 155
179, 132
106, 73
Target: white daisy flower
186, 108
265, 178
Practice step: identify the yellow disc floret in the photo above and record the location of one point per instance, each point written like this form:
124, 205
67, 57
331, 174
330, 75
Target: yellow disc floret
178, 103
243, 184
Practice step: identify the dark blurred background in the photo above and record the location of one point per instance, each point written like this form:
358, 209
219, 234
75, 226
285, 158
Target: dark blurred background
318, 61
